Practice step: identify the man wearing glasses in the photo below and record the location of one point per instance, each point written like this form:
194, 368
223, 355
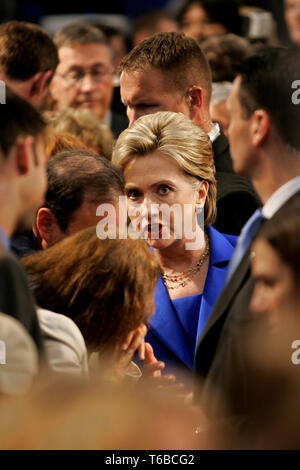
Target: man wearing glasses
84, 76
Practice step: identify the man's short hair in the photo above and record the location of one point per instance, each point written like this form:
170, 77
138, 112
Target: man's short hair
174, 54
76, 174
267, 79
25, 49
18, 117
79, 32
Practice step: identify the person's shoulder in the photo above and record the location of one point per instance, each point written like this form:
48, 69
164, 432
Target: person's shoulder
59, 326
220, 236
10, 266
231, 238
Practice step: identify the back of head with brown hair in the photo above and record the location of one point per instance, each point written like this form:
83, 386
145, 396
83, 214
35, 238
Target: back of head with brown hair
177, 56
57, 142
105, 286
25, 49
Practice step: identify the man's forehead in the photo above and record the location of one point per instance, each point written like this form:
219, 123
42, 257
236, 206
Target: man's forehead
140, 83
84, 54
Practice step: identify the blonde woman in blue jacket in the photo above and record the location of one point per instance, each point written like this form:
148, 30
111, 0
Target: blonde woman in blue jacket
169, 170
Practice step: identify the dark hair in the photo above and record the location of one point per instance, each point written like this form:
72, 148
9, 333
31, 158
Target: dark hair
18, 117
267, 79
225, 54
75, 174
105, 286
26, 49
79, 32
282, 233
149, 21
223, 12
176, 55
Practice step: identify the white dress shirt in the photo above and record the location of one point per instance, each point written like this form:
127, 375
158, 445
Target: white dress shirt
214, 133
281, 196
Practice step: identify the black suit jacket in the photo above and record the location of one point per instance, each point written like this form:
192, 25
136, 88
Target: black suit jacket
236, 197
118, 124
220, 358
16, 298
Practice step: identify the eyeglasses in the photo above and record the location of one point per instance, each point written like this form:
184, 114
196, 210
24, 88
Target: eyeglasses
75, 77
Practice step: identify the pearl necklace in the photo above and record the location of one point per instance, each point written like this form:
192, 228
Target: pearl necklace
173, 281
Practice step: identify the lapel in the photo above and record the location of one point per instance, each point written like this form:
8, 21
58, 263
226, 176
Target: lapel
227, 294
165, 324
221, 252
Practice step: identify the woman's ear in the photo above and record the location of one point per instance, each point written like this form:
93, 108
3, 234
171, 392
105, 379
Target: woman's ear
202, 193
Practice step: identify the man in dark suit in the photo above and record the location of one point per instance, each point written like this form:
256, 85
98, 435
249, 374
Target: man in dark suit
84, 76
169, 72
265, 146
23, 184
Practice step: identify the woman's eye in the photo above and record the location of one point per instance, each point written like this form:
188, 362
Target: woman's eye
163, 190
132, 194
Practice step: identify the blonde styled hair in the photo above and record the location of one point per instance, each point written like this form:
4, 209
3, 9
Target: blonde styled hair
84, 125
177, 137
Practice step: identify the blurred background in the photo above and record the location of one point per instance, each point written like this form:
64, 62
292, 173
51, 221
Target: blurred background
122, 14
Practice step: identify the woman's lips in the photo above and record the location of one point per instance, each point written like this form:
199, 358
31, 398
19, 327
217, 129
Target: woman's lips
154, 230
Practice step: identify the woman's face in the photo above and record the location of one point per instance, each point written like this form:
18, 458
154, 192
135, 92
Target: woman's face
154, 183
274, 290
196, 24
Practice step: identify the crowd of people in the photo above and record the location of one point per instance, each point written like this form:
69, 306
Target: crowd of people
149, 217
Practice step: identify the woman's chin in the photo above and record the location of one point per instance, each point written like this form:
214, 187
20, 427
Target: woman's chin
160, 243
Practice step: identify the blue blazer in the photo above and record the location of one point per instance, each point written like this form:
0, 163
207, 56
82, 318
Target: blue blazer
165, 333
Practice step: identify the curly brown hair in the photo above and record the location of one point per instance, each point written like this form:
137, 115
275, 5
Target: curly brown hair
104, 286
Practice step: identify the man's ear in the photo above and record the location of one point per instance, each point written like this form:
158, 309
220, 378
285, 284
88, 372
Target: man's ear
24, 154
47, 227
260, 127
39, 82
195, 100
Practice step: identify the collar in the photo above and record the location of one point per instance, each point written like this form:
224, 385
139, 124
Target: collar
214, 133
107, 119
220, 247
281, 196
4, 239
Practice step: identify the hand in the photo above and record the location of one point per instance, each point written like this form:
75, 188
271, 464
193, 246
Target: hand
135, 341
152, 368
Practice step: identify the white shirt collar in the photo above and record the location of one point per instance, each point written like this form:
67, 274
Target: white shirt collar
107, 119
281, 196
214, 133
